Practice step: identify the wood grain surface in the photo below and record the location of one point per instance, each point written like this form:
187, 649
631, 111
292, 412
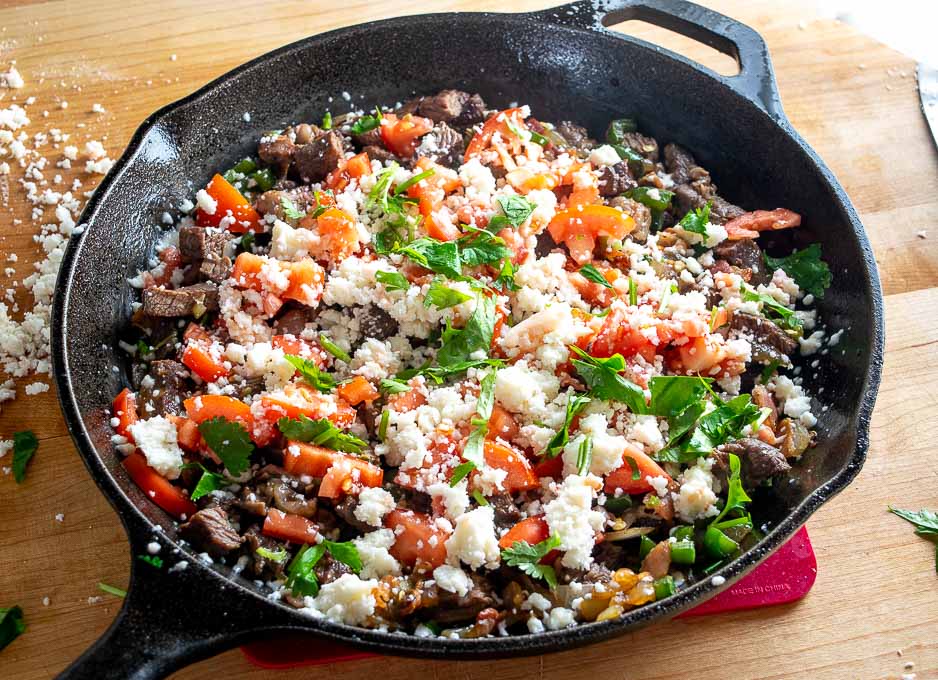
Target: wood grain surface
874, 607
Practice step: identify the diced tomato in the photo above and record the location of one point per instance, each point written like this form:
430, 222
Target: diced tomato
157, 488
400, 135
339, 471
520, 475
523, 180
497, 122
578, 228
616, 336
359, 165
440, 229
228, 201
207, 406
247, 268
549, 467
409, 400
290, 344
199, 359
187, 434
580, 198
124, 408
417, 538
289, 527
306, 282
532, 530
357, 390
172, 260
621, 478
296, 400
197, 332
748, 225
339, 236
305, 278
502, 424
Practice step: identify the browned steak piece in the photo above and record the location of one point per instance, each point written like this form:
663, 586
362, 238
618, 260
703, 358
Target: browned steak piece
321, 156
452, 106
760, 461
277, 151
209, 531
615, 179
163, 388
183, 301
769, 342
638, 212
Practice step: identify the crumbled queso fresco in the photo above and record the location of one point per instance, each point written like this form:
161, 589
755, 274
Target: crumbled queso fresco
456, 371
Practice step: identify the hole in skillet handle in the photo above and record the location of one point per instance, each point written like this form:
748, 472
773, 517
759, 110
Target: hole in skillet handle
170, 617
753, 77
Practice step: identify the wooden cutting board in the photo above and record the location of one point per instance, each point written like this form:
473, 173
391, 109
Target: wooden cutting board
875, 604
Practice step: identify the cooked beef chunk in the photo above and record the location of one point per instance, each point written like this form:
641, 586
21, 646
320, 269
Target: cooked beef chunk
370, 138
448, 608
410, 106
452, 106
640, 144
180, 301
694, 187
293, 320
321, 156
769, 342
252, 503
679, 163
163, 392
610, 554
209, 531
345, 509
197, 243
443, 145
376, 152
288, 499
760, 461
743, 254
377, 323
303, 199
576, 135
615, 179
304, 133
506, 514
328, 569
638, 212
259, 566
722, 211
215, 269
278, 152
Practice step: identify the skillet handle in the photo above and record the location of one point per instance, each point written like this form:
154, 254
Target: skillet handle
756, 78
170, 618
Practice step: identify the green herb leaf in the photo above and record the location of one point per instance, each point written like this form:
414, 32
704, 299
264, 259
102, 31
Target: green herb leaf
506, 276
392, 280
112, 590
290, 210
724, 423
481, 248
806, 267
321, 432
575, 404
152, 560
12, 625
416, 179
311, 373
25, 445
925, 521
633, 292
333, 348
592, 274
441, 257
383, 425
208, 482
658, 200
603, 379
346, 553
769, 371
459, 346
272, 555
515, 210
366, 123
229, 441
486, 395
736, 496
473, 451
246, 243
636, 471
479, 498
673, 393
696, 220
460, 472
378, 196
301, 578
527, 558
584, 456
772, 309
392, 386
443, 297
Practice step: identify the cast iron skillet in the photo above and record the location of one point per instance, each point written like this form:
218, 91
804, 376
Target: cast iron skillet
565, 64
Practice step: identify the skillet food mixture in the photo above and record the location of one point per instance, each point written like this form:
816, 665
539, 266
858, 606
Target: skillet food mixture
462, 372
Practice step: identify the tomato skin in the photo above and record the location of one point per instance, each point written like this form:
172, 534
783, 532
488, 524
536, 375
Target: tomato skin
616, 336
520, 475
289, 527
124, 408
497, 122
358, 390
157, 488
339, 235
621, 478
502, 424
550, 467
532, 530
207, 406
414, 531
579, 226
200, 361
400, 135
339, 472
227, 198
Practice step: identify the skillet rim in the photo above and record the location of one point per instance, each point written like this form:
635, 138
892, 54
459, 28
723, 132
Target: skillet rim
135, 521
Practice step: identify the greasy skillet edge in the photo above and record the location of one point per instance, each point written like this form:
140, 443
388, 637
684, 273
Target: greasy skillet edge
284, 617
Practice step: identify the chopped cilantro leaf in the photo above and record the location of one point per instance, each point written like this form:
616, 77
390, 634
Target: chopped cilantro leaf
506, 276
25, 445
321, 432
290, 210
346, 553
772, 309
333, 348
229, 441
208, 482
575, 404
515, 210
527, 558
592, 274
392, 280
392, 386
301, 578
443, 297
481, 248
441, 257
460, 472
459, 346
696, 220
673, 393
806, 267
603, 379
736, 496
311, 373
12, 625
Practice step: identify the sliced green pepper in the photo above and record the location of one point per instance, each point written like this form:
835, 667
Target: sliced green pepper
664, 587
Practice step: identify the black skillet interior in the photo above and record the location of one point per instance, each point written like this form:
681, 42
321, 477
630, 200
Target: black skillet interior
566, 66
